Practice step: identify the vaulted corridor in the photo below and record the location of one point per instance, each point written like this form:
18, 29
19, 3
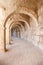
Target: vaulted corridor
21, 32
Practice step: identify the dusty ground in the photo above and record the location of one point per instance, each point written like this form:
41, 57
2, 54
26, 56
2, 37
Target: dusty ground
21, 53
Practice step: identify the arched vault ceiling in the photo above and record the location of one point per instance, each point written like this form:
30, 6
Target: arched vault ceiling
19, 23
18, 17
26, 17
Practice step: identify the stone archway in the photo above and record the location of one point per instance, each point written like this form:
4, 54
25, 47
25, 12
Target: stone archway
21, 27
15, 24
10, 26
13, 15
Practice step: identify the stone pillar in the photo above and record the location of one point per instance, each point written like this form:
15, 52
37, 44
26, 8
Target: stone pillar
10, 38
2, 39
7, 35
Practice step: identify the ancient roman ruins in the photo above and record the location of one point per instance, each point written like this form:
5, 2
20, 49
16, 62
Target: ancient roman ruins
21, 19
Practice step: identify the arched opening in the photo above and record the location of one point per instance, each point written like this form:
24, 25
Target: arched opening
21, 26
31, 32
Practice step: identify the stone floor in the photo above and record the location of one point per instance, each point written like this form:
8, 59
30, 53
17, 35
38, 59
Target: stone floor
21, 52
